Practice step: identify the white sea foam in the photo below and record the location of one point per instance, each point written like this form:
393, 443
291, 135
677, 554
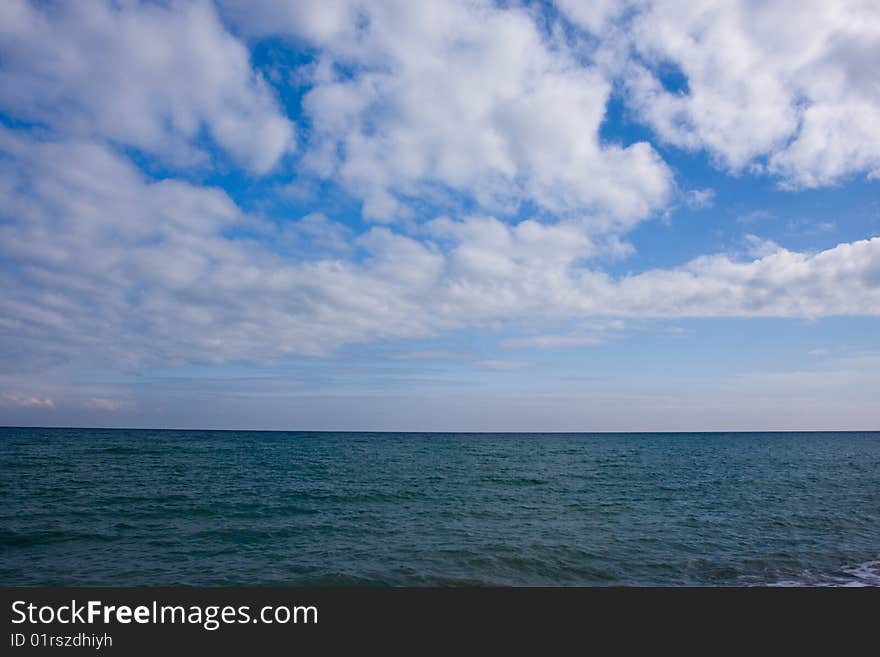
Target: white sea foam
868, 573
863, 574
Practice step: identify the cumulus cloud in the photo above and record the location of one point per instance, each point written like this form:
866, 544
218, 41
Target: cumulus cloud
771, 86
106, 266
844, 280
147, 75
419, 100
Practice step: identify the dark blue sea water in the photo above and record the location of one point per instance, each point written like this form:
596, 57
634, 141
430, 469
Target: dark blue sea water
123, 507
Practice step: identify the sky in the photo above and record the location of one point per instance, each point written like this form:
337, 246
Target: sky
440, 216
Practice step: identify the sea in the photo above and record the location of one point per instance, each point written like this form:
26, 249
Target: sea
110, 507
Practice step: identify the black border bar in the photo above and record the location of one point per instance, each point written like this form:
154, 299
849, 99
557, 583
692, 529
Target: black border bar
420, 619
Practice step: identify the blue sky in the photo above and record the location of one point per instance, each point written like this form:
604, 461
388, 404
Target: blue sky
565, 216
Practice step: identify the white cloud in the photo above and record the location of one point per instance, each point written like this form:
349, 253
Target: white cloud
314, 235
449, 355
409, 103
146, 75
25, 401
700, 198
106, 267
108, 405
775, 86
856, 375
754, 215
313, 20
844, 280
504, 365
758, 247
588, 333
553, 341
418, 100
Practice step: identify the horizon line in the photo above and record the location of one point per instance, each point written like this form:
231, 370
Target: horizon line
440, 431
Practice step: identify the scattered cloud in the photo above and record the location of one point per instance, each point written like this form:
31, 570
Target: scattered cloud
700, 199
412, 101
759, 247
313, 235
552, 341
754, 216
589, 333
108, 405
152, 76
450, 355
106, 265
764, 88
809, 227
25, 401
859, 373
504, 365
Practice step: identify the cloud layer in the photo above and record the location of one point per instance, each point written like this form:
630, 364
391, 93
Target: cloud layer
105, 265
450, 121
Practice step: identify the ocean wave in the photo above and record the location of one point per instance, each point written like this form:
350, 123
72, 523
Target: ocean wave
859, 575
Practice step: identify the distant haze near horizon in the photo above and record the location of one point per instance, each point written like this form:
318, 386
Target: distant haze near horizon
440, 216
403, 417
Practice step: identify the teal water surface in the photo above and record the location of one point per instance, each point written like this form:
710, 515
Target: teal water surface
138, 507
